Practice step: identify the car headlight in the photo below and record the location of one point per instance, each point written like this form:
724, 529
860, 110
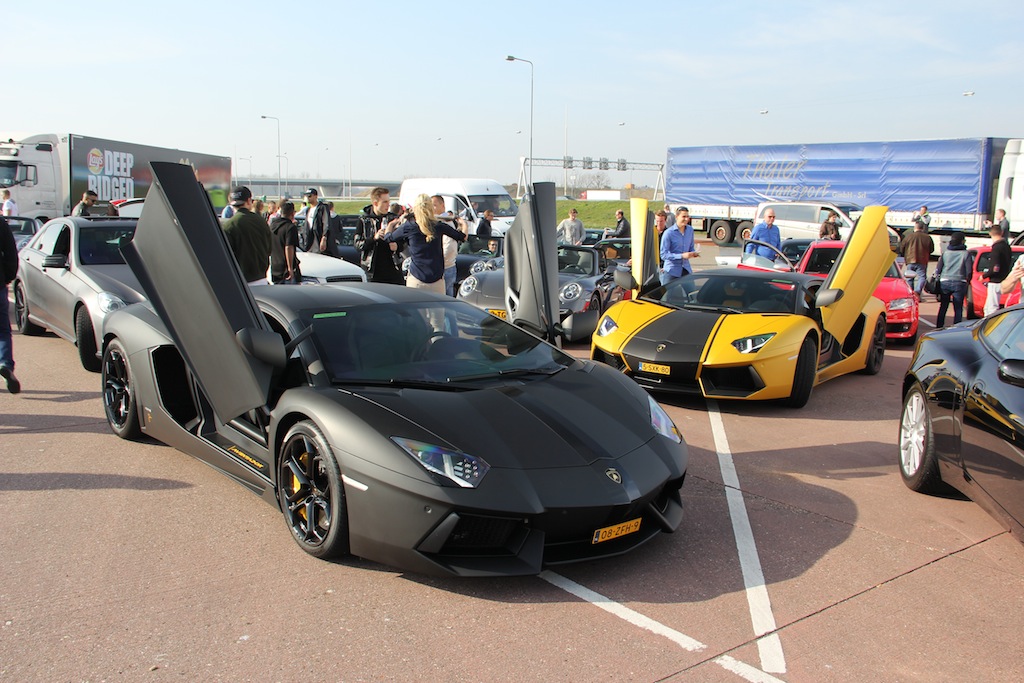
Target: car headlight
109, 302
662, 423
752, 344
606, 327
900, 304
477, 266
459, 468
468, 286
570, 292
309, 280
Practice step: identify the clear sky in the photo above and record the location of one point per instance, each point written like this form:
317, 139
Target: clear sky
423, 88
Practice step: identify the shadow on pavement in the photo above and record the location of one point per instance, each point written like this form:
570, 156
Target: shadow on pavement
58, 481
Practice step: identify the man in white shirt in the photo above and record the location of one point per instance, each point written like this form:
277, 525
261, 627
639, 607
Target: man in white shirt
10, 207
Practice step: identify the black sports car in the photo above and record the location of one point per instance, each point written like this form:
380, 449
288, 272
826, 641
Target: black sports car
387, 422
585, 283
962, 406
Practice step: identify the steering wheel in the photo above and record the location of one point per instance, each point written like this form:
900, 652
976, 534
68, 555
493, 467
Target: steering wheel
576, 270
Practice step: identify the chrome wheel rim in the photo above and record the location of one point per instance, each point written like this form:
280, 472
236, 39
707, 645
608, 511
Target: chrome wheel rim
305, 490
116, 388
913, 433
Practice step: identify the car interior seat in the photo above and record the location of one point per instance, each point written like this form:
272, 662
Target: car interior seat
733, 295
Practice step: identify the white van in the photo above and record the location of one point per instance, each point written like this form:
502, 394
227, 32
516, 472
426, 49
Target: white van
804, 219
467, 197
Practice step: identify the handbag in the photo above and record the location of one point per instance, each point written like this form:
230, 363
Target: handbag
931, 285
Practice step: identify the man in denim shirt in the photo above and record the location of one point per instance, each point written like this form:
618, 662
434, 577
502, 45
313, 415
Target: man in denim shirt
677, 248
769, 234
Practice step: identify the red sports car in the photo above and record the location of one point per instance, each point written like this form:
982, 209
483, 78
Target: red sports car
978, 292
901, 307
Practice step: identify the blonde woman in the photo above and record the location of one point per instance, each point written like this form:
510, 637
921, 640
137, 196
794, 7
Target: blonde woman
422, 232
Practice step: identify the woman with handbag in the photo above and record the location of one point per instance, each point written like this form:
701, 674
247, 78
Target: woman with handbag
954, 271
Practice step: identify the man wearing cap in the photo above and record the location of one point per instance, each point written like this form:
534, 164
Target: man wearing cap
313, 221
249, 237
82, 208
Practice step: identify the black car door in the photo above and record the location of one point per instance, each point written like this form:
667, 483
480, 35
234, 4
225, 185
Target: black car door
992, 443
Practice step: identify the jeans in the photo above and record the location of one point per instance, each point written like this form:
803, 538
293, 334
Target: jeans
450, 274
6, 348
955, 290
918, 272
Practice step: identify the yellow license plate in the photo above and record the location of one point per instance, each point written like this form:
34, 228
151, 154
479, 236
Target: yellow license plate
612, 532
498, 312
655, 368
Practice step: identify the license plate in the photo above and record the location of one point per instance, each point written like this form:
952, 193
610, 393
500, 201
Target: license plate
655, 368
498, 312
615, 531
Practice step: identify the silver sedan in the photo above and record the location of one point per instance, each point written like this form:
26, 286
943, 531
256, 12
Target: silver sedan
70, 276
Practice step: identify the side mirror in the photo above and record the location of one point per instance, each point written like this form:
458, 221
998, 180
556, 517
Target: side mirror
1011, 371
624, 278
263, 345
827, 297
55, 261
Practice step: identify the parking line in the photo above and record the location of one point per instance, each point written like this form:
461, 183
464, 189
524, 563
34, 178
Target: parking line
731, 664
760, 605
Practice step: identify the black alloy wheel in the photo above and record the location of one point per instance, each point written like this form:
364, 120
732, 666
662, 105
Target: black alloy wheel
119, 392
310, 492
876, 353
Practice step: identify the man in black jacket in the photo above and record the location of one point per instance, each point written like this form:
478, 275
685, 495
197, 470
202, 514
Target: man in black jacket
8, 269
312, 222
377, 256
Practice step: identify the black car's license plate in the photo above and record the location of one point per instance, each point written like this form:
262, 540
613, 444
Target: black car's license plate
609, 533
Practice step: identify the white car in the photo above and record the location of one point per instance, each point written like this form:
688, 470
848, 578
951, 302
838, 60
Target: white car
324, 270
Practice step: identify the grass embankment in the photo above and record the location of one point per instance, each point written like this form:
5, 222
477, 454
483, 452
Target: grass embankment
593, 214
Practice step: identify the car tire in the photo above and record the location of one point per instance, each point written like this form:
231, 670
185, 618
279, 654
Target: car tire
743, 231
25, 326
919, 466
310, 492
803, 374
85, 338
595, 303
722, 233
969, 304
876, 352
118, 385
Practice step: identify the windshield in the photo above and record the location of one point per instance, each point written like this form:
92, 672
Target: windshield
575, 261
731, 292
8, 173
440, 342
501, 204
98, 244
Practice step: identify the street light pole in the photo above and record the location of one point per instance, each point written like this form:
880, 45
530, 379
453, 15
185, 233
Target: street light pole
249, 159
287, 168
278, 121
510, 58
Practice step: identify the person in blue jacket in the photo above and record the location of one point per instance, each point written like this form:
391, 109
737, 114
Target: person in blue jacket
423, 231
765, 231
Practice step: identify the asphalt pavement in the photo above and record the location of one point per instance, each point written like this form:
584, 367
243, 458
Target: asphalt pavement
802, 557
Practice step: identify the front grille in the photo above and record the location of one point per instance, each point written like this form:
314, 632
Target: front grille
611, 359
474, 534
733, 381
897, 328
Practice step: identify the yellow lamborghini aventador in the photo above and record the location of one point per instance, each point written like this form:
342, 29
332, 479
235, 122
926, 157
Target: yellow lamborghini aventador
744, 334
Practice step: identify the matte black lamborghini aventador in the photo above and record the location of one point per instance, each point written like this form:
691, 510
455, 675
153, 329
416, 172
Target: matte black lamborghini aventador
386, 422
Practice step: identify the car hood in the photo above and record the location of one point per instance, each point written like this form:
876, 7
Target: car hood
570, 419
892, 288
117, 279
679, 337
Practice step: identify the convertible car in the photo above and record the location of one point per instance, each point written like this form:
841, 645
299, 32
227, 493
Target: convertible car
747, 334
585, 283
961, 424
386, 422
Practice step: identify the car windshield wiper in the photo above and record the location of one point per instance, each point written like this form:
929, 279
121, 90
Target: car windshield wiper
406, 383
509, 372
710, 307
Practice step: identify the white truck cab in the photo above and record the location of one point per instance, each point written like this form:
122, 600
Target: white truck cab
466, 197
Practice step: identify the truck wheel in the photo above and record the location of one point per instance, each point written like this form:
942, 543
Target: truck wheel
743, 231
722, 233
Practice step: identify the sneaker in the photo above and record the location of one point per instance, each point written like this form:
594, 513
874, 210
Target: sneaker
13, 385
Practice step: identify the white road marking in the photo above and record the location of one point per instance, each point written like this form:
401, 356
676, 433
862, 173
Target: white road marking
741, 669
761, 616
922, 321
